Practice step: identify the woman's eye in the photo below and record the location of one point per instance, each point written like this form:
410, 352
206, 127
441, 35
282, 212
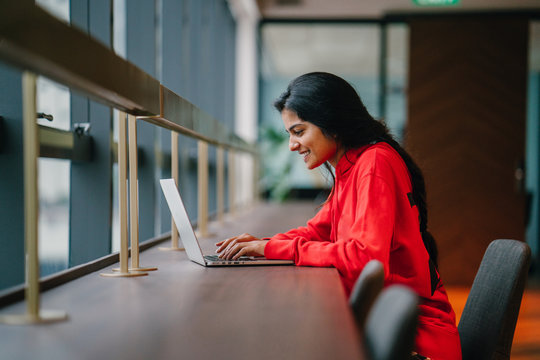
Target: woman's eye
299, 132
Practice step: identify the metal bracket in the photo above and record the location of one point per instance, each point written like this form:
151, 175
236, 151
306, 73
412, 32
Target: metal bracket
76, 145
41, 115
81, 129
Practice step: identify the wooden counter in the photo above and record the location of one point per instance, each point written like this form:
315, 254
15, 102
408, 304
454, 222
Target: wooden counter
186, 311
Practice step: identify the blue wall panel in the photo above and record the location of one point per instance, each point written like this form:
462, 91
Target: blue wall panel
11, 179
141, 50
91, 183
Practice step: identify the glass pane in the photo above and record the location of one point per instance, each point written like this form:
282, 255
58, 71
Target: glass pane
58, 8
53, 99
289, 50
54, 174
396, 80
54, 190
350, 51
119, 27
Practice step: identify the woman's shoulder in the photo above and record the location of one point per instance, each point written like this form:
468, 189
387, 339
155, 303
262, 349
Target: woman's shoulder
377, 159
380, 152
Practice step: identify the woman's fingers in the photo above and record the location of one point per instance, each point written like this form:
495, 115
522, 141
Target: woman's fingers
224, 244
243, 251
221, 245
232, 249
251, 248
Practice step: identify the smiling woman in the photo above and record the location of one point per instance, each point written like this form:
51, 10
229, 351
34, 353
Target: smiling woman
315, 147
376, 210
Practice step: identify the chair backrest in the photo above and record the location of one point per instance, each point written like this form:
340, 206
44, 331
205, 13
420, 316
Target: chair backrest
488, 321
366, 288
391, 324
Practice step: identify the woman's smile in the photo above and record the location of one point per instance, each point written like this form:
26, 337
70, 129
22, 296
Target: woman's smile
309, 141
305, 154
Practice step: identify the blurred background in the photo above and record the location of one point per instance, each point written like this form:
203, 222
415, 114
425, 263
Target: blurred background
456, 81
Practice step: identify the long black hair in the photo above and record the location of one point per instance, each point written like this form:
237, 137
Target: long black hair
332, 104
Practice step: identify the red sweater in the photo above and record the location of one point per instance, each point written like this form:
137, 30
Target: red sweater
369, 217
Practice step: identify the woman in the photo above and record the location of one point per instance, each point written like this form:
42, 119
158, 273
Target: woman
376, 209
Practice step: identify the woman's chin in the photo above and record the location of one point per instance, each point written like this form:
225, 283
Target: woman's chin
312, 165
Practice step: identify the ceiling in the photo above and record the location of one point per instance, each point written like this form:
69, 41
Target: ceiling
290, 49
375, 9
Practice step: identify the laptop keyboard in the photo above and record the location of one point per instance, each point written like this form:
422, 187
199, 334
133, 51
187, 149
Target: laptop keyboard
217, 258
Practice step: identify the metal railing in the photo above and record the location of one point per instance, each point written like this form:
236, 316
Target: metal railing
38, 43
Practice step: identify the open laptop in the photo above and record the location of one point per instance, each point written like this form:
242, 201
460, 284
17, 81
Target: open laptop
189, 239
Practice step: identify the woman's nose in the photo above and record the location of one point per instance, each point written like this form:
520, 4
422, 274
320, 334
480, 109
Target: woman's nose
293, 145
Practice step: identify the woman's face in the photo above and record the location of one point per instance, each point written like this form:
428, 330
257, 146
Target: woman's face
310, 142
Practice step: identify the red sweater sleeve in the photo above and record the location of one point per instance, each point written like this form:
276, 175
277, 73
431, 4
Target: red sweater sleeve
364, 211
316, 229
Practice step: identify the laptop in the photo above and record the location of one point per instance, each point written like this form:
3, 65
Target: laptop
190, 241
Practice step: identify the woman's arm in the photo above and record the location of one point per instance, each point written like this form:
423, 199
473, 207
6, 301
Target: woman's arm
364, 232
317, 229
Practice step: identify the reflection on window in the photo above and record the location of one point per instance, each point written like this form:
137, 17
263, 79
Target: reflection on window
58, 8
54, 193
54, 175
119, 27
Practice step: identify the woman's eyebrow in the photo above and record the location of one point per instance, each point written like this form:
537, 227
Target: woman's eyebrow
293, 126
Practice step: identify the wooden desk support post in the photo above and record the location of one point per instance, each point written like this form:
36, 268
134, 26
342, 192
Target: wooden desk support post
31, 205
232, 184
202, 193
220, 169
122, 190
134, 197
174, 175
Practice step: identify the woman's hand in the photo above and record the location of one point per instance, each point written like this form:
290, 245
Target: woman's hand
241, 245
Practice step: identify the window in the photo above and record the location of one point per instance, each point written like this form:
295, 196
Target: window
349, 50
54, 174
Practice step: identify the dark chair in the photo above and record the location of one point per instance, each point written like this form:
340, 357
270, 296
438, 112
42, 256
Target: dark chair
488, 321
366, 288
391, 324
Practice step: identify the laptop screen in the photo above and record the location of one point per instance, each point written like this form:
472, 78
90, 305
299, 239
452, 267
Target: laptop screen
181, 219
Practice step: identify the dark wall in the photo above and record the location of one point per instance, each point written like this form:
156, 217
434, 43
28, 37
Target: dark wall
467, 93
11, 179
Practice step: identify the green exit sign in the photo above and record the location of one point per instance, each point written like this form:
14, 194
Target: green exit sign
435, 2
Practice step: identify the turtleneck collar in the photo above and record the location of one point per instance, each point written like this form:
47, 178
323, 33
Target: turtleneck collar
348, 159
